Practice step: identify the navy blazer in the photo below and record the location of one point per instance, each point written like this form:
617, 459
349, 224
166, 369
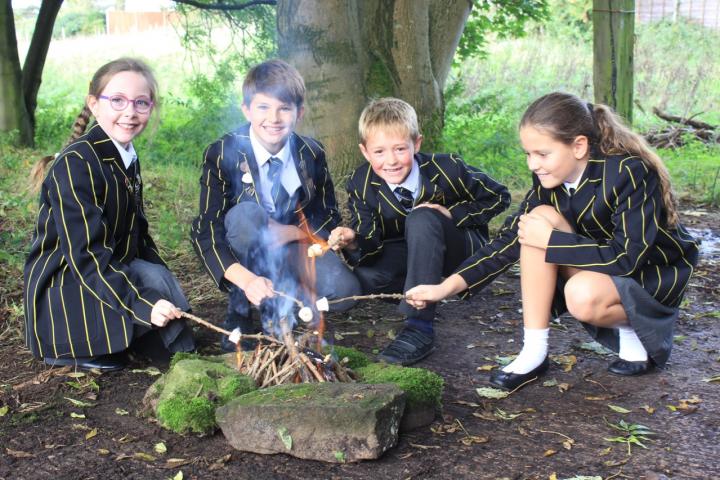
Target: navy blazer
79, 298
230, 159
619, 219
472, 198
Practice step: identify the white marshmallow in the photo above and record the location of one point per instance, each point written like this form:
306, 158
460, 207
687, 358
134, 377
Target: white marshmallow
322, 304
235, 335
315, 250
305, 314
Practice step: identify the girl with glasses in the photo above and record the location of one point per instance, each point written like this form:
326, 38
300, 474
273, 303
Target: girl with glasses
95, 283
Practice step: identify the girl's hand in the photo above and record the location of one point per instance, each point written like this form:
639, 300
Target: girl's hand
438, 207
420, 295
341, 237
258, 289
534, 230
162, 312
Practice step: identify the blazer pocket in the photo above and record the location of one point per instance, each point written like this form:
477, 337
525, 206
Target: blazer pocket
72, 319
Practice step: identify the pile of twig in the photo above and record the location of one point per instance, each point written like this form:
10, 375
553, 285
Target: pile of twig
676, 135
279, 363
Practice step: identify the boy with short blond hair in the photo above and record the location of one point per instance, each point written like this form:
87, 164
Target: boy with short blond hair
264, 191
414, 217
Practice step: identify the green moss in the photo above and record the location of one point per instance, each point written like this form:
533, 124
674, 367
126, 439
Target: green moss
182, 416
379, 81
356, 358
183, 356
277, 393
421, 386
232, 386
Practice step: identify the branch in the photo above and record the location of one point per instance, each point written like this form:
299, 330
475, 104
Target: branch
685, 121
225, 6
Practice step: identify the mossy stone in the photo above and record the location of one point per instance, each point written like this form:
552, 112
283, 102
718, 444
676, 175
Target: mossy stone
421, 386
356, 358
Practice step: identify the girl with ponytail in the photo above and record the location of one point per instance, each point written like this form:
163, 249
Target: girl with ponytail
94, 281
597, 235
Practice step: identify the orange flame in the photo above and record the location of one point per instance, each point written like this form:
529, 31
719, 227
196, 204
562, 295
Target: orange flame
309, 275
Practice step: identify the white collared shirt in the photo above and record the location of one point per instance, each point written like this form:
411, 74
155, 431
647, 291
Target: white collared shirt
411, 182
288, 176
574, 185
128, 156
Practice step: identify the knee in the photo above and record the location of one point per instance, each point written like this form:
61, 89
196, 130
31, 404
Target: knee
549, 213
581, 301
244, 222
422, 219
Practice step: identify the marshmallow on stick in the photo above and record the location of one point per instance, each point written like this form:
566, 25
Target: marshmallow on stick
315, 250
322, 304
235, 336
305, 314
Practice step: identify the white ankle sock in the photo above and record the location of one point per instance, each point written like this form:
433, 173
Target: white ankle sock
534, 351
631, 348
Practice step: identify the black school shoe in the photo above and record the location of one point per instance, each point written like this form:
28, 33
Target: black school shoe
104, 363
628, 369
511, 381
410, 346
233, 321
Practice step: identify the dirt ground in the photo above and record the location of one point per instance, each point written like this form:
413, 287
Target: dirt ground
559, 425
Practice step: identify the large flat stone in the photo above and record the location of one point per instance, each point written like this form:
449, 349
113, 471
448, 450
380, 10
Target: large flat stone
332, 422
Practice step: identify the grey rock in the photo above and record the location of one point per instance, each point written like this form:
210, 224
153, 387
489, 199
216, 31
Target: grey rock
332, 422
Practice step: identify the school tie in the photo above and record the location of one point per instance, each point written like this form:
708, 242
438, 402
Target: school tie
277, 192
571, 191
405, 197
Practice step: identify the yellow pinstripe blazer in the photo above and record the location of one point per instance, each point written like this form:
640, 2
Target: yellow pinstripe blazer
620, 229
79, 299
472, 197
229, 176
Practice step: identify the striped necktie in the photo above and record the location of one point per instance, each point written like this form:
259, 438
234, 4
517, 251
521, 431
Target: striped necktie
405, 197
274, 169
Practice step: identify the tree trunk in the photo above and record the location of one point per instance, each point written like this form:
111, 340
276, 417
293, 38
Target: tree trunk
613, 42
350, 51
13, 113
35, 58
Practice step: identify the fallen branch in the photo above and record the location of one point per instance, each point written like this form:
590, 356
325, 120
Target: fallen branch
685, 121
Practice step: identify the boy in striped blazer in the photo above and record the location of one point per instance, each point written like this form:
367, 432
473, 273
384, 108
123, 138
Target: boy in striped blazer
265, 191
414, 217
597, 235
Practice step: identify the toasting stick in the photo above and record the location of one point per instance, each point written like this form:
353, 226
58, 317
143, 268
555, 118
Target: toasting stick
233, 336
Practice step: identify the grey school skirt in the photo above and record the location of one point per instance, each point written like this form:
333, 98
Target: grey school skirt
653, 322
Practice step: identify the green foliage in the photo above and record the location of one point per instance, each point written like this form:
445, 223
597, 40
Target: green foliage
196, 415
356, 358
497, 19
76, 23
421, 386
631, 434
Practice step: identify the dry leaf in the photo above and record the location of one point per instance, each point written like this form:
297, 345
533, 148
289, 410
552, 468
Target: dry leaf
567, 361
486, 368
160, 447
605, 451
176, 462
549, 452
18, 453
601, 398
4, 410
103, 451
76, 415
489, 392
617, 409
121, 411
648, 409
423, 447
144, 457
468, 404
563, 387
472, 439
91, 434
568, 444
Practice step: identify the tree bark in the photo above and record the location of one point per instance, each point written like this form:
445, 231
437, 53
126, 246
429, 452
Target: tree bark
350, 51
613, 42
13, 113
35, 58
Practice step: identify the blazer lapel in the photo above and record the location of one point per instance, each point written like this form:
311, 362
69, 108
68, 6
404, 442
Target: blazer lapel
247, 162
300, 154
386, 198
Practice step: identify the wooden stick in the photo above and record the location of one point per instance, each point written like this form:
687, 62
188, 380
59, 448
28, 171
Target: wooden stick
311, 366
396, 296
289, 297
205, 323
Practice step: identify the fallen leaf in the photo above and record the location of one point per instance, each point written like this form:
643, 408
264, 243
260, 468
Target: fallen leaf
121, 411
648, 409
4, 410
549, 452
18, 453
178, 476
91, 434
285, 437
339, 456
595, 347
503, 415
468, 404
617, 409
152, 371
605, 451
563, 387
76, 415
145, 457
486, 368
550, 383
75, 375
568, 444
79, 403
160, 447
502, 361
715, 379
103, 451
600, 397
489, 392
567, 361
176, 462
472, 439
220, 462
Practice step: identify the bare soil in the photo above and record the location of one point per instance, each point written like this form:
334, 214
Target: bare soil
556, 425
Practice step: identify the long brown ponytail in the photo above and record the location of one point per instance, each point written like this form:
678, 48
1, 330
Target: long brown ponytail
565, 116
97, 85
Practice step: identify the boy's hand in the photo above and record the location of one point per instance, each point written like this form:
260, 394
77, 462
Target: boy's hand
258, 289
534, 230
341, 237
436, 206
284, 234
162, 312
